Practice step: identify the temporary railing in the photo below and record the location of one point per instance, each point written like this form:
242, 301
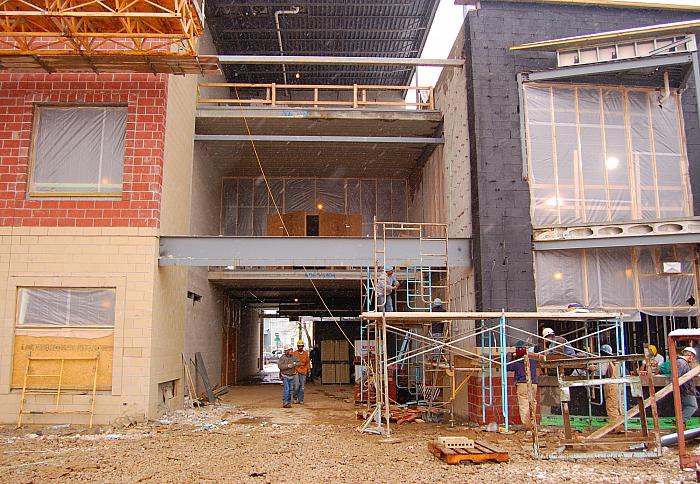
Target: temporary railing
242, 95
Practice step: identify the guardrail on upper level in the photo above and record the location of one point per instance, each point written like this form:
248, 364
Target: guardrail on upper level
358, 100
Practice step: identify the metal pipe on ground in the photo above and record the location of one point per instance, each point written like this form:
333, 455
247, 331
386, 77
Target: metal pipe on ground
671, 439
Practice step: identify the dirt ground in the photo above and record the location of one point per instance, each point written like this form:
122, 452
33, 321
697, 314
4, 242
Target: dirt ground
251, 438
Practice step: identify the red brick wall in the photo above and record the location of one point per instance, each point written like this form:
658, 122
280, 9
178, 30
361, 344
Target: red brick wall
494, 412
139, 204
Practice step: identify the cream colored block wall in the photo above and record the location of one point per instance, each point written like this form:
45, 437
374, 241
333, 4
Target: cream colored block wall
170, 283
123, 258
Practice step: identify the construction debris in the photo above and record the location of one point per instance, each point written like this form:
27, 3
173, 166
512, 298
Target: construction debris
478, 453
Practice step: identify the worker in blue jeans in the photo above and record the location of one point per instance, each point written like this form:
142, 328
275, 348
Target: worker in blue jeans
689, 401
287, 364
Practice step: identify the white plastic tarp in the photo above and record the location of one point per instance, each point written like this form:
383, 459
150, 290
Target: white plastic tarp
79, 149
599, 154
630, 279
246, 203
66, 307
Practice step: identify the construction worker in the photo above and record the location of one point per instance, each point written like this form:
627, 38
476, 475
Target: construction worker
610, 390
438, 327
302, 371
287, 364
556, 344
386, 285
517, 365
689, 402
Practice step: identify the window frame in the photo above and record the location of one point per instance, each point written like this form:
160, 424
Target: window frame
36, 120
61, 327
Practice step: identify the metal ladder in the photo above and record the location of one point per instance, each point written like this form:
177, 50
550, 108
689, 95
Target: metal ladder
59, 386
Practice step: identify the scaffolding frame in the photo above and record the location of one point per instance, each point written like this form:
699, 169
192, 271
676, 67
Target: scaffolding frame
378, 418
89, 27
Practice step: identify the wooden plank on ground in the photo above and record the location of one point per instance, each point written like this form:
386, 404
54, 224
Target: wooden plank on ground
480, 453
667, 390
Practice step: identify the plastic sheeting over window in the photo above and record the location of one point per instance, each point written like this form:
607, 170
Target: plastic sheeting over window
246, 203
629, 279
604, 154
66, 307
79, 150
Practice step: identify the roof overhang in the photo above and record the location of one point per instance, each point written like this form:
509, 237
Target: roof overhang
648, 72
593, 3
589, 40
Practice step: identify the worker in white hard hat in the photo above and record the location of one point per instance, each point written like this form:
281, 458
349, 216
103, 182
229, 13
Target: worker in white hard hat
689, 402
556, 344
387, 284
288, 369
302, 372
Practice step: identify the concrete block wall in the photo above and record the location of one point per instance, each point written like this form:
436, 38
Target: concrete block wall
122, 258
139, 205
500, 197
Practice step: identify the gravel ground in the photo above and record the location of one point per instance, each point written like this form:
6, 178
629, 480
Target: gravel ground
250, 438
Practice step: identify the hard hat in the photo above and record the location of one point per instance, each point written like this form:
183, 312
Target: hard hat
690, 349
300, 342
606, 349
287, 348
653, 350
546, 332
521, 344
437, 302
388, 268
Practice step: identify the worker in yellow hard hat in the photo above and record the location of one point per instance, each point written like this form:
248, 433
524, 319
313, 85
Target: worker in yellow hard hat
655, 360
302, 372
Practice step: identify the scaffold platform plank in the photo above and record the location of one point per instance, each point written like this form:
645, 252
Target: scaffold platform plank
161, 64
481, 452
418, 316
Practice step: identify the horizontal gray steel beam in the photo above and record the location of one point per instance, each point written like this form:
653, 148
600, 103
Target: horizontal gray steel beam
338, 60
305, 251
317, 139
626, 241
608, 67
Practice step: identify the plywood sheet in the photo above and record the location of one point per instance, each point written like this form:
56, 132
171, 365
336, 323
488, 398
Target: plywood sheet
339, 225
294, 221
77, 375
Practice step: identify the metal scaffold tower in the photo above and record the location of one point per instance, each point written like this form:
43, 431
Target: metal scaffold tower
490, 360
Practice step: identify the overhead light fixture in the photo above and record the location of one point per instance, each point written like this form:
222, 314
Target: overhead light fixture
612, 162
296, 299
319, 206
558, 276
552, 202
297, 75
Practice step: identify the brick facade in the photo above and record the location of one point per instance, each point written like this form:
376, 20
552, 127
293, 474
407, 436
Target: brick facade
139, 204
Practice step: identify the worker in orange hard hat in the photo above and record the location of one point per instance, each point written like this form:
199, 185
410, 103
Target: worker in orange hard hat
302, 372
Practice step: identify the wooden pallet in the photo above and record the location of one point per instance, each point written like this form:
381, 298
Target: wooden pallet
481, 452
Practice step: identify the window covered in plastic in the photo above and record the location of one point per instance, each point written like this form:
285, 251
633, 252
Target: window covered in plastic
66, 307
604, 154
621, 278
246, 202
78, 149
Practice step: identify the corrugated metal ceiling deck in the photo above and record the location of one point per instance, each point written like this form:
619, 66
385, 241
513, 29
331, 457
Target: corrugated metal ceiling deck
377, 28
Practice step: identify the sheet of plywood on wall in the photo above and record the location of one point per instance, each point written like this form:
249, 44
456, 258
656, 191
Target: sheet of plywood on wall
339, 225
77, 375
295, 222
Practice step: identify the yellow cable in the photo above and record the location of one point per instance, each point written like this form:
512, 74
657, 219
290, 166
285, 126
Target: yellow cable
284, 226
